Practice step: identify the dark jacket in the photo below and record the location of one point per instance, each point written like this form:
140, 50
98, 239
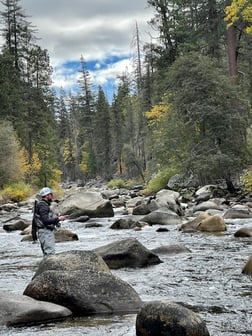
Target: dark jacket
45, 214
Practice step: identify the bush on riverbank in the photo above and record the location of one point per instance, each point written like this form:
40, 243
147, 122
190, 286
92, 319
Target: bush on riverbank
159, 180
16, 192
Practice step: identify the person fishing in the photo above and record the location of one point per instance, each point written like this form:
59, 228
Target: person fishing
44, 222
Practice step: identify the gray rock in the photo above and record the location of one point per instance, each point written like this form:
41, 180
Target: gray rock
82, 282
127, 253
162, 216
243, 232
126, 222
20, 310
85, 203
171, 249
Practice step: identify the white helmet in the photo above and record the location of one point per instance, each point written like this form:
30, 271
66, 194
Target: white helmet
45, 191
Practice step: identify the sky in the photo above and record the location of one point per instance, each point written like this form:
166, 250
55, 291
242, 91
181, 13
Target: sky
102, 31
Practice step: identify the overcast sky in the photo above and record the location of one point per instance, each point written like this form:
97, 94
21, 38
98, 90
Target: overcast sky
100, 30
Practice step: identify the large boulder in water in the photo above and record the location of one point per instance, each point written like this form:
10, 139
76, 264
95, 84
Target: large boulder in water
127, 253
170, 319
82, 282
85, 203
19, 310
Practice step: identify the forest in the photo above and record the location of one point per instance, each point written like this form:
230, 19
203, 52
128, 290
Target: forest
185, 109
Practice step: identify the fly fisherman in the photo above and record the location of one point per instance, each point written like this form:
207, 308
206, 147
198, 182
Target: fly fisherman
46, 222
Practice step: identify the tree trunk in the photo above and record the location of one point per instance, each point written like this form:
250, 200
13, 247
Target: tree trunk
232, 61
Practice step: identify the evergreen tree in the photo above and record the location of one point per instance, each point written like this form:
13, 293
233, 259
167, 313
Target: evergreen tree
204, 130
102, 136
86, 118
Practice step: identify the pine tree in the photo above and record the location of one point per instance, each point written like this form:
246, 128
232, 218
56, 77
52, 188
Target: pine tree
103, 136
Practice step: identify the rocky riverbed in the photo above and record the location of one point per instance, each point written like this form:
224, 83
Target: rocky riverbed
205, 274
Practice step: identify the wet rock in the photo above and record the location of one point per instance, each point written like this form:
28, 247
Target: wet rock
169, 318
72, 261
207, 205
243, 232
20, 310
61, 235
127, 253
162, 229
82, 282
126, 222
16, 226
141, 209
168, 199
237, 212
171, 249
162, 216
247, 269
8, 207
81, 219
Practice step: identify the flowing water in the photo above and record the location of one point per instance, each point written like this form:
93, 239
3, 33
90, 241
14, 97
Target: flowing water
208, 279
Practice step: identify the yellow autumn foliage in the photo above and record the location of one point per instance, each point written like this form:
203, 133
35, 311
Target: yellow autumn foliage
29, 167
240, 9
68, 151
156, 114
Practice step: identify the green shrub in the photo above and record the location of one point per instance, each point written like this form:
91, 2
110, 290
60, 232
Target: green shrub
159, 181
16, 192
118, 183
246, 179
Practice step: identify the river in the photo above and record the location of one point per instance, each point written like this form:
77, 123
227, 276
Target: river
208, 279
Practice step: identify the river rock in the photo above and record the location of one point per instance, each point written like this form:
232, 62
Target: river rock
247, 269
82, 282
213, 223
162, 216
61, 235
205, 222
192, 225
207, 205
127, 253
237, 212
169, 318
127, 222
72, 261
167, 199
19, 310
171, 249
243, 232
16, 226
8, 207
85, 203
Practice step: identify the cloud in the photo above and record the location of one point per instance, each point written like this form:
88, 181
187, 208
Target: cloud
100, 30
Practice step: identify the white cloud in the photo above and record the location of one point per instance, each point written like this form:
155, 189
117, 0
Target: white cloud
96, 29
